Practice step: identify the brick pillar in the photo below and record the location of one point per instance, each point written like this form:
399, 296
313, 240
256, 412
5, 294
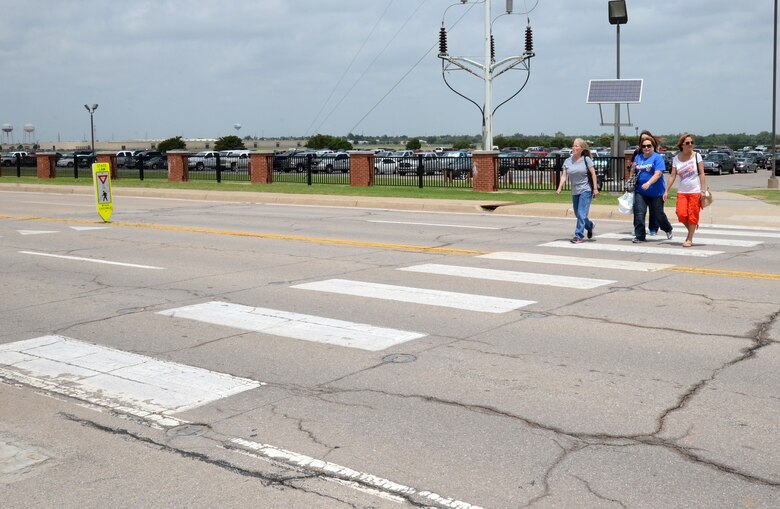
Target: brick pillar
110, 158
178, 171
261, 167
485, 178
361, 169
46, 163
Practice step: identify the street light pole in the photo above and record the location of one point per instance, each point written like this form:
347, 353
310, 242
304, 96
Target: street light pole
92, 126
617, 16
772, 184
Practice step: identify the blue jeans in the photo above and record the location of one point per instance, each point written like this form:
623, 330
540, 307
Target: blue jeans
581, 205
641, 205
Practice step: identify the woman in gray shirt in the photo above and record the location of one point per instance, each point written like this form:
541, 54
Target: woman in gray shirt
579, 168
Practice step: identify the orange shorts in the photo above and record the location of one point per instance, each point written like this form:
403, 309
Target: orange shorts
688, 207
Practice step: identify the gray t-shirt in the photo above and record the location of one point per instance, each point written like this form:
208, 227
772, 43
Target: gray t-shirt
578, 173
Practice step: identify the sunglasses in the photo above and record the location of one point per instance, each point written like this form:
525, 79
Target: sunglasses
687, 143
647, 145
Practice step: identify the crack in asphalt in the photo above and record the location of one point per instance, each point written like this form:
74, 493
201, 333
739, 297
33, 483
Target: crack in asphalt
267, 480
591, 438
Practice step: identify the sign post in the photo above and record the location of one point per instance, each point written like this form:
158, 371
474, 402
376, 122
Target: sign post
101, 176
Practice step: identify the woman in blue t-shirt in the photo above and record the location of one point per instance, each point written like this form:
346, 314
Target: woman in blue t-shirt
650, 186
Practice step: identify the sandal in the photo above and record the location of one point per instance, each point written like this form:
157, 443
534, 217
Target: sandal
687, 243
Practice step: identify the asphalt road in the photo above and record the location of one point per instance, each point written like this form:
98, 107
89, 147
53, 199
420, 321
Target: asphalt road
302, 357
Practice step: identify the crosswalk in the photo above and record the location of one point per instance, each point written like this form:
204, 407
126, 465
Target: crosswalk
539, 269
158, 390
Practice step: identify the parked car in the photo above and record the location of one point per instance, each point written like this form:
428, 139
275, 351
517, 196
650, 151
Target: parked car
83, 157
746, 164
122, 157
202, 160
431, 164
762, 160
719, 162
156, 162
386, 165
330, 162
297, 161
458, 164
66, 161
141, 159
26, 158
234, 159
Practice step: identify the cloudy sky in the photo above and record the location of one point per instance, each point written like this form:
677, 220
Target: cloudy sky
196, 68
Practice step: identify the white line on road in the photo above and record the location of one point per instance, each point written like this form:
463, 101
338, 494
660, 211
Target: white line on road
739, 233
294, 325
579, 283
467, 301
128, 382
436, 224
332, 470
93, 260
633, 248
576, 261
88, 228
698, 240
35, 232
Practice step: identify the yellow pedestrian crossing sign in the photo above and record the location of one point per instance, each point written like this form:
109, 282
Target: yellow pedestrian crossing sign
101, 176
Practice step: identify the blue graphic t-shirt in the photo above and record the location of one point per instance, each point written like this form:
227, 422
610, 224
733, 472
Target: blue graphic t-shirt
645, 169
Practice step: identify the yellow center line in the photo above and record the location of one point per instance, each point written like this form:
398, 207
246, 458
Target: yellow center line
727, 273
276, 236
358, 243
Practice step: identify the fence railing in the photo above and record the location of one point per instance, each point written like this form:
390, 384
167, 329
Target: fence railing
421, 170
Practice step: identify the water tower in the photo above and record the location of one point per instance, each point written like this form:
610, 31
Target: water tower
29, 134
237, 127
7, 130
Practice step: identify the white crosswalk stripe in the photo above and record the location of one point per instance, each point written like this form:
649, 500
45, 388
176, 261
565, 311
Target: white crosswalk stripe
633, 248
697, 240
127, 382
465, 301
580, 283
576, 261
294, 325
739, 233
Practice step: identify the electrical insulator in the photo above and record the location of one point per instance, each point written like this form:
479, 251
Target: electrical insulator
442, 41
492, 48
529, 40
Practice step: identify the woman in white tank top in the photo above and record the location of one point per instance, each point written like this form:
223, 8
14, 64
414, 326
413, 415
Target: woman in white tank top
688, 166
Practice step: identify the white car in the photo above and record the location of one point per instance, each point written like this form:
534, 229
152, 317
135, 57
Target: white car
202, 160
386, 165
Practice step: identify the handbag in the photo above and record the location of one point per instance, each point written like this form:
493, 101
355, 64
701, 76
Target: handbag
626, 203
599, 178
629, 185
706, 198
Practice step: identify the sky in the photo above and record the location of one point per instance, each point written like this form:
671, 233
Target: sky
295, 68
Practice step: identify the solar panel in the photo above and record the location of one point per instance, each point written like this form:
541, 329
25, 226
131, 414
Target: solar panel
614, 91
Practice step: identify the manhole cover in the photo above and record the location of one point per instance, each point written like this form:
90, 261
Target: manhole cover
399, 358
187, 430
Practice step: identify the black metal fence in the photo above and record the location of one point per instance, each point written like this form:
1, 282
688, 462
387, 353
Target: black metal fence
544, 173
424, 170
453, 170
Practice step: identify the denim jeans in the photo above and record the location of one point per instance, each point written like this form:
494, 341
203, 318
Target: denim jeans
656, 204
581, 205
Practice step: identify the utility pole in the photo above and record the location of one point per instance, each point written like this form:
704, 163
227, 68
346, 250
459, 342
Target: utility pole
488, 70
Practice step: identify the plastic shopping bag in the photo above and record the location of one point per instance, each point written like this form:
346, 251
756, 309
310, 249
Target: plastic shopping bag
626, 203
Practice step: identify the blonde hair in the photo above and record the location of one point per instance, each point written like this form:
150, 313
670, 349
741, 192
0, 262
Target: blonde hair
584, 145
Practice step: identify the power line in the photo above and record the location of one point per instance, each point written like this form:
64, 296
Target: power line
370, 33
406, 73
346, 94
